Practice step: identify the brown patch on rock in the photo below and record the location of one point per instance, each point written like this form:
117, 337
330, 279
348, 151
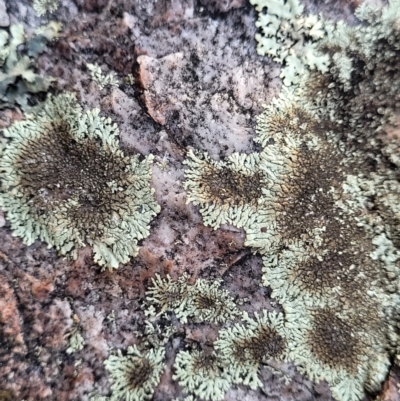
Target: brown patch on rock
41, 289
203, 334
10, 327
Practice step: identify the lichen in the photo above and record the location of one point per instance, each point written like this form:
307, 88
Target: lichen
308, 166
229, 191
76, 342
290, 38
203, 374
101, 79
135, 376
343, 347
42, 7
66, 182
359, 93
243, 348
322, 252
18, 79
202, 301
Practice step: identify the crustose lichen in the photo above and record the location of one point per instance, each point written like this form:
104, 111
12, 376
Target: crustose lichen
65, 181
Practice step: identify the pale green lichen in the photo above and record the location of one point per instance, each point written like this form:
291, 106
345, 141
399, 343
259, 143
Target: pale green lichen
229, 191
66, 182
288, 118
135, 376
345, 348
76, 342
18, 78
360, 92
204, 375
322, 277
307, 164
42, 7
380, 195
264, 192
168, 295
243, 348
290, 37
203, 301
101, 79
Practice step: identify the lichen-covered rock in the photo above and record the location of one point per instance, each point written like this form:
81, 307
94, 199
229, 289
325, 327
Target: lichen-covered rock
18, 78
290, 37
42, 7
244, 348
202, 301
190, 82
66, 182
343, 347
135, 376
202, 374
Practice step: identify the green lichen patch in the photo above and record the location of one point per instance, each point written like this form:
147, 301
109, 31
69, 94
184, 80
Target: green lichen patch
337, 272
76, 342
380, 196
359, 93
203, 374
66, 182
290, 38
202, 301
101, 79
307, 168
245, 347
230, 191
18, 78
135, 376
343, 347
42, 7
287, 120
168, 295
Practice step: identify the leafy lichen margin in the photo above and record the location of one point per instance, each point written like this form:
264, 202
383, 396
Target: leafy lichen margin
135, 376
66, 182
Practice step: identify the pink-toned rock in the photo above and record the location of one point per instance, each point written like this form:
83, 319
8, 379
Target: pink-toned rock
391, 388
10, 319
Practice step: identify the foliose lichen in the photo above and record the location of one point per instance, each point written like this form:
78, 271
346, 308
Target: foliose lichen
203, 374
42, 7
76, 342
18, 79
290, 38
328, 229
135, 376
229, 191
343, 347
202, 301
64, 180
359, 93
101, 79
243, 348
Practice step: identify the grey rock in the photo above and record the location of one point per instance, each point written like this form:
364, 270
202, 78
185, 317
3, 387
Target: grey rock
4, 18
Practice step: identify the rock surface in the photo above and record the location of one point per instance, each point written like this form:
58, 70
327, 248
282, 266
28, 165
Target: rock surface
189, 77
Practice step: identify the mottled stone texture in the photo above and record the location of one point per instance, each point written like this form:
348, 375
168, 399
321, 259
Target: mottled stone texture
190, 77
